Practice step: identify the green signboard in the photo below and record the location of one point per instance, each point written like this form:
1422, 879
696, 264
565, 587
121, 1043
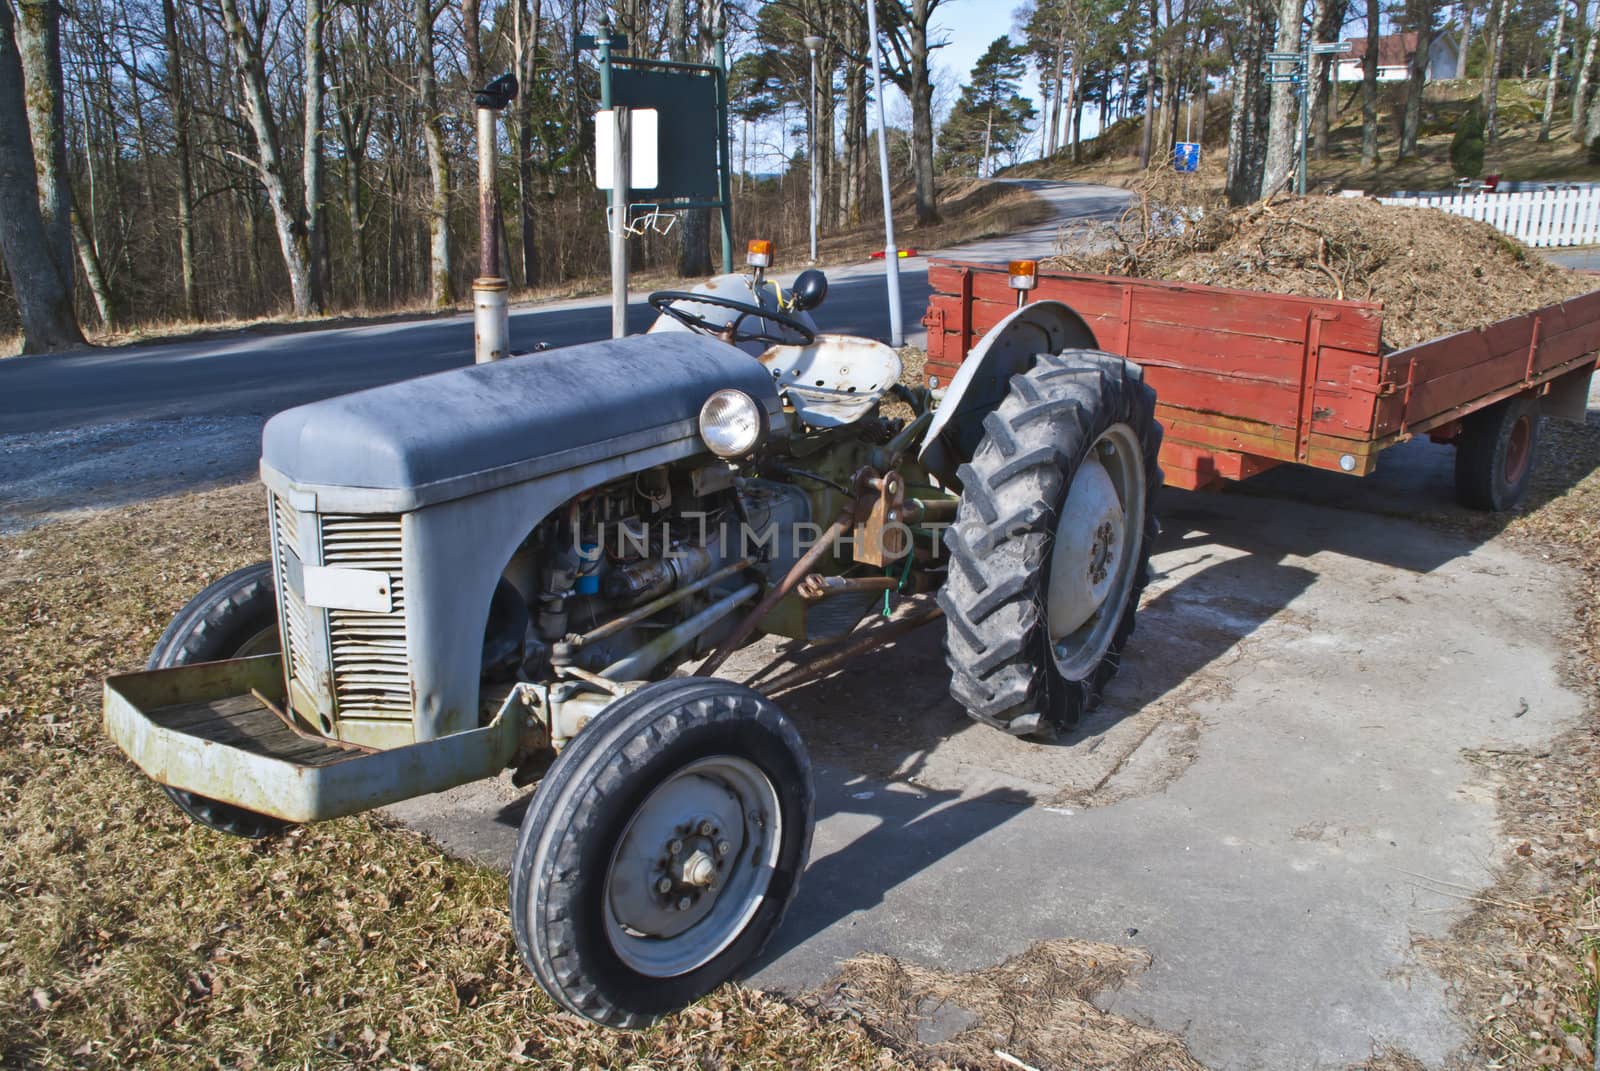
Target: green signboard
688, 109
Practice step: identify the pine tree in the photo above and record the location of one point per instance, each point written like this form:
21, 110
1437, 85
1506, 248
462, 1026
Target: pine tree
991, 118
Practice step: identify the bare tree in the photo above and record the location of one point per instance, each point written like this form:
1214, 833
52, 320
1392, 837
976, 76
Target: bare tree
39, 38
311, 158
441, 282
268, 160
178, 101
43, 302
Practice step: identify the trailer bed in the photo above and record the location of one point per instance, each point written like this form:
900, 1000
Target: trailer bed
1246, 380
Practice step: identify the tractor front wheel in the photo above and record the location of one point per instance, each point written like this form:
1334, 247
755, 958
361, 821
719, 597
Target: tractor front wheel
235, 617
661, 850
1051, 546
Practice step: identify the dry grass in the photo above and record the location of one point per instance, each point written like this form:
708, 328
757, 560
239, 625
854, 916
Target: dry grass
128, 936
1036, 1007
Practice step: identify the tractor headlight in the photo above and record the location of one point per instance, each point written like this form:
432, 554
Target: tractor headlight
731, 423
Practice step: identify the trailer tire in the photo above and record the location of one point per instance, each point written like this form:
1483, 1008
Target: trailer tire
233, 617
1495, 454
1015, 658
627, 807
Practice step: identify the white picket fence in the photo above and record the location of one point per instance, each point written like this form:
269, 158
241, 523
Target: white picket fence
1542, 218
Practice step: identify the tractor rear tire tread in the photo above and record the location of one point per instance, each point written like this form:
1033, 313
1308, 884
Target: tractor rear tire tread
997, 644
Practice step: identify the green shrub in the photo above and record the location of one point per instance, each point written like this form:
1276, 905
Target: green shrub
1466, 148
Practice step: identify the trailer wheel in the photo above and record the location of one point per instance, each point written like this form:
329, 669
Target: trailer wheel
1051, 546
661, 850
1495, 454
235, 617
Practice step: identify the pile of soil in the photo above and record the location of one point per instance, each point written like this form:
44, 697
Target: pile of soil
1434, 273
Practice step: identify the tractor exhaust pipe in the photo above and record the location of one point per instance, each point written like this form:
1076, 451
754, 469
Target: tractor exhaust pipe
491, 321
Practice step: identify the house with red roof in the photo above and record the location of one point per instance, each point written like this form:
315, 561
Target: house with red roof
1395, 51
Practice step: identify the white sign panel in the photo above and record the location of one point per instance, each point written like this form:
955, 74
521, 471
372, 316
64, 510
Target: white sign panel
642, 145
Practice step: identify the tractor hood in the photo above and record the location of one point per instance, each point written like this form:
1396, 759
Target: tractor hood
473, 429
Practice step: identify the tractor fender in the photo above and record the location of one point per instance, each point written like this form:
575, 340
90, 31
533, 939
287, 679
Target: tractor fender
984, 378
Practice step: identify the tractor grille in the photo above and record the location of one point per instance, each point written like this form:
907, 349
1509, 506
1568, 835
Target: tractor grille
364, 653
371, 676
296, 631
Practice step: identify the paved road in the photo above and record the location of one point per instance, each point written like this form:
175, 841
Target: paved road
92, 429
1283, 800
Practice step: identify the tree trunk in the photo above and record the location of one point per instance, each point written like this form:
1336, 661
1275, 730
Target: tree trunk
1327, 21
311, 160
1581, 105
1412, 123
527, 45
1495, 34
1062, 108
441, 281
1281, 127
1369, 90
269, 162
91, 271
917, 83
1555, 71
39, 35
1244, 176
855, 137
178, 101
44, 304
1147, 130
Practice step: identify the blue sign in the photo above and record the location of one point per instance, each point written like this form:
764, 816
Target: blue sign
1186, 156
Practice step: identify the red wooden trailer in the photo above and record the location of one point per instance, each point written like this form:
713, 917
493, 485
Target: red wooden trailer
1247, 380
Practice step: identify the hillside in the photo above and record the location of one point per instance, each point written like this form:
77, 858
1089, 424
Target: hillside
1517, 156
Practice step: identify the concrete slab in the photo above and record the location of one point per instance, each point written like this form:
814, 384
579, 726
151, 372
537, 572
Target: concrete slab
1275, 784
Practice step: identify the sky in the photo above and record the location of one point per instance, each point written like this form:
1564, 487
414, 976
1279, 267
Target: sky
967, 27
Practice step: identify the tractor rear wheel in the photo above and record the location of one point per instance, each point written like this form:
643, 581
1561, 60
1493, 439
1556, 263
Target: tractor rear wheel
1051, 546
235, 617
1495, 454
661, 850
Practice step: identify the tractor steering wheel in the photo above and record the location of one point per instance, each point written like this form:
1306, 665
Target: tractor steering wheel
664, 301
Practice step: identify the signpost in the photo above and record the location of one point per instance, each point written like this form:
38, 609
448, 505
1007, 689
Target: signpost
688, 99
1298, 77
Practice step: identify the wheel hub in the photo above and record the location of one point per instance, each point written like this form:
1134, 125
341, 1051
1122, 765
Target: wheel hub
1095, 551
692, 866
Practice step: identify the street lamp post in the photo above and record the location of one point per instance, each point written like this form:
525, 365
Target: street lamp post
813, 44
891, 255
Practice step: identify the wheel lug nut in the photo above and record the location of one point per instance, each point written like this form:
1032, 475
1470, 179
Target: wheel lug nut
723, 847
706, 829
684, 904
664, 885
676, 847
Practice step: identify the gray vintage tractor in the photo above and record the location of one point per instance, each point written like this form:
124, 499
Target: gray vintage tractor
517, 565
